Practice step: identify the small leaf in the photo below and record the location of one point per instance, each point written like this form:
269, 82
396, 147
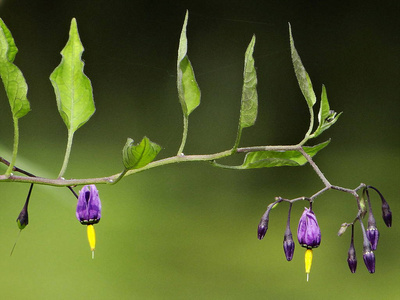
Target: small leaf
248, 110
301, 74
326, 116
188, 89
267, 159
137, 156
13, 80
72, 87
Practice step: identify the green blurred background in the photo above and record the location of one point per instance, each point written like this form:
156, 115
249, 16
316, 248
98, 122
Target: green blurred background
189, 230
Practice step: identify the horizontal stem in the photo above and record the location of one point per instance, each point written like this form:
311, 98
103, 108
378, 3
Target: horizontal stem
166, 161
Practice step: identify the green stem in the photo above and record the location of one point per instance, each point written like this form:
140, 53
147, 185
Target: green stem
310, 128
185, 133
15, 148
67, 153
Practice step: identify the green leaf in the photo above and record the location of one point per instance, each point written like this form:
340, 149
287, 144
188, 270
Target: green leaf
249, 106
72, 87
267, 159
13, 80
326, 116
188, 89
12, 48
301, 74
139, 155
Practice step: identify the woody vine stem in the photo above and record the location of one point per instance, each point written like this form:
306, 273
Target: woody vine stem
75, 104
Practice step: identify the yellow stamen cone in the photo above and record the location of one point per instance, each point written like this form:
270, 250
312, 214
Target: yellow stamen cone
308, 261
91, 234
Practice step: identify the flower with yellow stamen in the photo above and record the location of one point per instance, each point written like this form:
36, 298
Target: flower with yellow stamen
309, 236
88, 212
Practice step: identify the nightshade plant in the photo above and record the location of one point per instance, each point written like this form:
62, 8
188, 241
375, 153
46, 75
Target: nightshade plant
75, 104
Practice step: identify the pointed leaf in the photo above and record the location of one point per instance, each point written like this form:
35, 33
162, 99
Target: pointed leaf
248, 110
137, 156
72, 87
12, 48
188, 89
326, 116
13, 80
266, 159
301, 74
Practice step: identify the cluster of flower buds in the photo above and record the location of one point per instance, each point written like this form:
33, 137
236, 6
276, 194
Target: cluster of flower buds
88, 212
371, 235
308, 234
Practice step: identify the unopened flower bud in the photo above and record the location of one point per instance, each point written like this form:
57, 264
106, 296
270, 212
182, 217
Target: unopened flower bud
386, 212
23, 218
288, 246
263, 225
368, 255
369, 260
351, 257
373, 236
288, 243
372, 231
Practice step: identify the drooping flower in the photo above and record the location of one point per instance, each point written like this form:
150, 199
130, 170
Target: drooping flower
88, 212
308, 232
308, 235
88, 209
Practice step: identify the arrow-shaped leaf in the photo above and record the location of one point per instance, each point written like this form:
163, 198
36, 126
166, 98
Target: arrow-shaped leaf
249, 106
13, 80
301, 74
72, 87
188, 89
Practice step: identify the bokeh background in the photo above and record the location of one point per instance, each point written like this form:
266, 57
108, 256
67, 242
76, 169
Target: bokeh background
188, 231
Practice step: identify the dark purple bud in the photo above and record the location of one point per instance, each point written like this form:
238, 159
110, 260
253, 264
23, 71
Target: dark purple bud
351, 257
263, 225
288, 243
88, 209
386, 212
23, 219
372, 231
262, 229
368, 255
369, 260
308, 232
288, 246
373, 236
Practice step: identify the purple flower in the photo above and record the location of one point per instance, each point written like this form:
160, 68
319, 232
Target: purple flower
308, 232
288, 243
386, 213
88, 209
369, 260
373, 236
288, 246
351, 258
